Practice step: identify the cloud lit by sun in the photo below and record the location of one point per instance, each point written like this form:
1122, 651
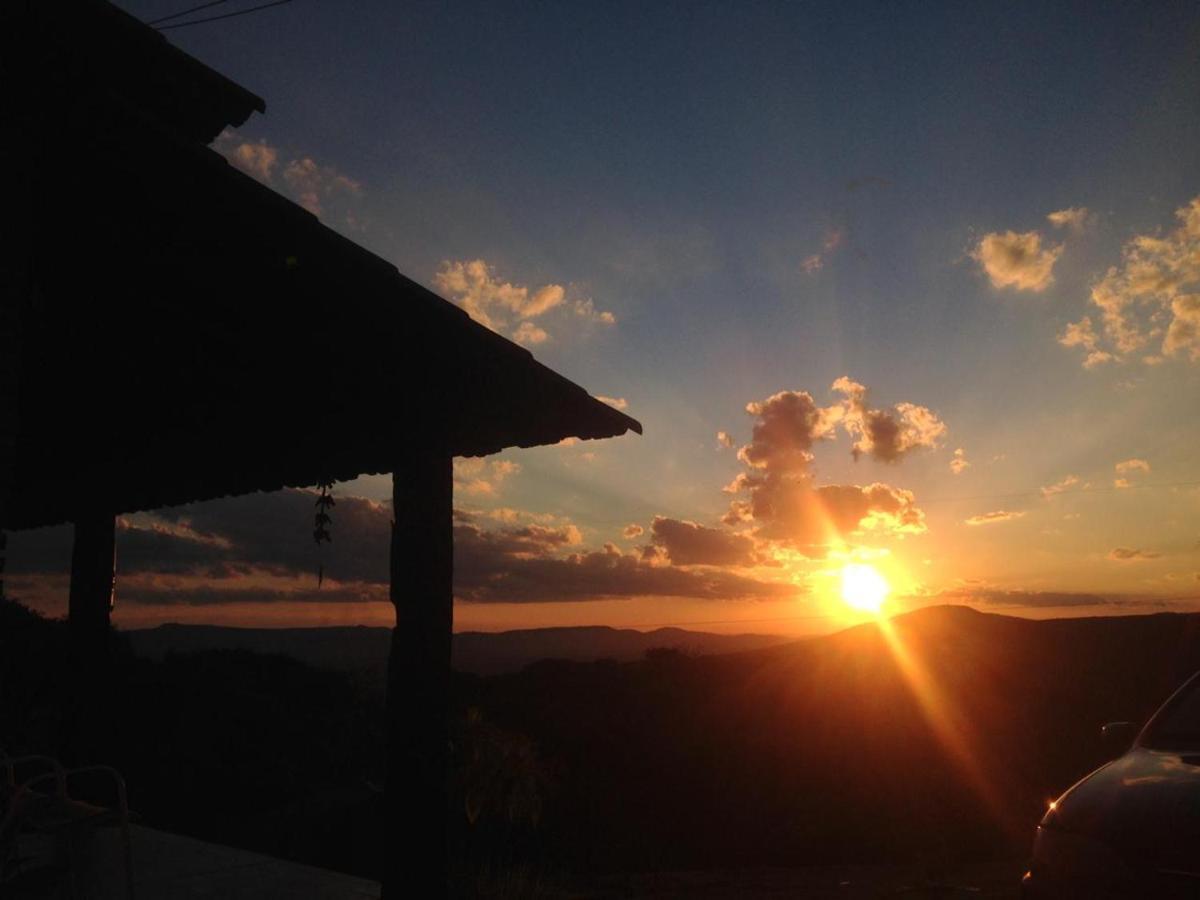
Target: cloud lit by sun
863, 587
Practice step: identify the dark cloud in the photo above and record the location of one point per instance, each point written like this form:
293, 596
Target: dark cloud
486, 571
886, 434
794, 511
1049, 599
995, 597
688, 543
259, 548
786, 426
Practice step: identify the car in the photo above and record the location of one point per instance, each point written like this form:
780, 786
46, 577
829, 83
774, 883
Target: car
1132, 827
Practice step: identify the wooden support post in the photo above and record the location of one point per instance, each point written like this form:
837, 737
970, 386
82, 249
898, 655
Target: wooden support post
93, 561
422, 562
89, 607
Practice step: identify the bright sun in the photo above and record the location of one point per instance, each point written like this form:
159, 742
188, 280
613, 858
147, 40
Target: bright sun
863, 587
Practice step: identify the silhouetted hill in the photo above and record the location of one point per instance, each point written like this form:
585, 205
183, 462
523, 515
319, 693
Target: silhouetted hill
482, 653
940, 734
935, 738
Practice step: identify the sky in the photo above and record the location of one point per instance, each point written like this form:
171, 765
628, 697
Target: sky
908, 286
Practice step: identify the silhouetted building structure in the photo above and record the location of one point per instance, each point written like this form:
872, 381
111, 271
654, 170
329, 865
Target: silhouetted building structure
174, 331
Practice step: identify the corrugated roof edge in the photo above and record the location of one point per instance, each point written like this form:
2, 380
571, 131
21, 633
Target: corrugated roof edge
250, 101
621, 421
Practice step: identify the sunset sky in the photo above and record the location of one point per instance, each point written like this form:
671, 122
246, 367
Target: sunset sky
914, 286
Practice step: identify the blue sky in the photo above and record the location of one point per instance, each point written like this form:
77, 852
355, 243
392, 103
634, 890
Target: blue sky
766, 198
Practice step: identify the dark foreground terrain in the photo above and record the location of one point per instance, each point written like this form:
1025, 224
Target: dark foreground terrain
932, 752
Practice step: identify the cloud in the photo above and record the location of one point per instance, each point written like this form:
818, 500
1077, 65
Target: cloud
1128, 467
1130, 554
795, 512
240, 540
614, 402
1060, 486
1075, 218
959, 463
487, 571
1031, 599
528, 333
886, 434
586, 309
991, 518
257, 159
509, 308
1083, 334
1154, 292
632, 531
259, 548
787, 424
482, 476
473, 285
833, 239
724, 439
688, 544
778, 495
1183, 334
1134, 465
1017, 260
313, 185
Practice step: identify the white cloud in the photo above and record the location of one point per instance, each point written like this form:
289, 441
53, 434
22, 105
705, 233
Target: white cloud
1075, 218
586, 309
528, 333
1019, 261
482, 477
1060, 486
614, 402
778, 496
1131, 465
257, 159
1154, 293
509, 308
1082, 334
314, 186
994, 517
886, 434
959, 463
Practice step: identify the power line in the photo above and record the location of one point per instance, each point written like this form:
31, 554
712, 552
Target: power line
186, 12
232, 15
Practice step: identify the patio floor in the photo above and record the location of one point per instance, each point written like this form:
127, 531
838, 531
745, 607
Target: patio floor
173, 867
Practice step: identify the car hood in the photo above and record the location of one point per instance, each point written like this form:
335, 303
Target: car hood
1145, 806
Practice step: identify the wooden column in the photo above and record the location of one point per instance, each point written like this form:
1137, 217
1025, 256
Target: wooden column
93, 559
93, 562
422, 562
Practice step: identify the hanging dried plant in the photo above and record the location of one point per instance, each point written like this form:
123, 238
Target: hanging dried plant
322, 522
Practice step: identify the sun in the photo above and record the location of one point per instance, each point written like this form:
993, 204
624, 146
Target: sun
863, 587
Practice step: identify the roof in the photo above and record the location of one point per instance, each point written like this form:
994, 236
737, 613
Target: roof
192, 335
100, 65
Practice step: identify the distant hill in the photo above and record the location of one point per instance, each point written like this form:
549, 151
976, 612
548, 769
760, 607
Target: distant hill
481, 653
933, 739
938, 735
